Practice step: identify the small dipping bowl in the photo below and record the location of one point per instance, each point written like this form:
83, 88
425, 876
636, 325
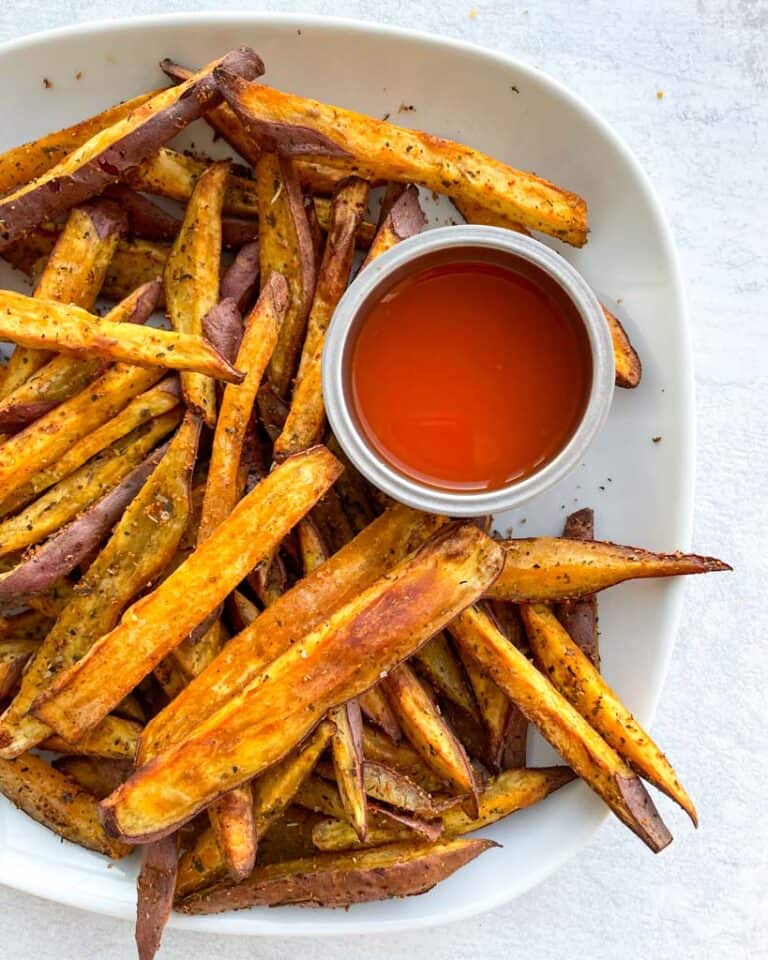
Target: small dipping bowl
446, 245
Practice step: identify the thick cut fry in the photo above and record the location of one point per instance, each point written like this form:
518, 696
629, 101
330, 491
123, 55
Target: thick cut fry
94, 774
154, 900
444, 672
74, 273
547, 569
579, 617
347, 752
84, 485
57, 802
301, 126
113, 739
114, 151
306, 416
336, 880
580, 746
571, 671
376, 708
371, 554
402, 218
192, 277
66, 328
49, 563
427, 731
272, 793
285, 247
511, 791
258, 726
65, 376
143, 543
158, 622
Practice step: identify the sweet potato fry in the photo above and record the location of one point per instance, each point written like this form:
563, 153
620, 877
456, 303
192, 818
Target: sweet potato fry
79, 488
113, 739
576, 677
321, 796
143, 543
427, 731
579, 744
241, 280
400, 757
353, 489
65, 376
74, 273
135, 263
113, 151
389, 786
336, 880
260, 724
371, 554
438, 661
28, 626
69, 329
347, 752
306, 416
14, 655
402, 218
629, 369
505, 794
579, 617
79, 698
94, 774
57, 802
154, 902
300, 126
63, 552
285, 247
223, 327
192, 277
547, 569
376, 708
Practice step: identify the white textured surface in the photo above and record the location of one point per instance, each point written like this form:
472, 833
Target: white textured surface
704, 145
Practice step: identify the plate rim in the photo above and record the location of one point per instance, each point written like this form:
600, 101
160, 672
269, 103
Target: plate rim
349, 925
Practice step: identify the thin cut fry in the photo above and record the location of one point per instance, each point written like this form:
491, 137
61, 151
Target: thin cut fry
571, 671
14, 655
159, 621
376, 708
579, 617
154, 901
444, 672
113, 739
582, 747
403, 218
347, 752
401, 757
301, 126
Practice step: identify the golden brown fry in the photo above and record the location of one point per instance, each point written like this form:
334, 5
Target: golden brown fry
579, 617
379, 149
142, 544
79, 489
321, 796
192, 277
232, 828
402, 218
347, 752
14, 655
376, 708
285, 247
25, 627
496, 709
64, 327
135, 263
57, 802
474, 212
159, 621
389, 786
259, 725
306, 416
547, 569
503, 795
571, 671
582, 747
113, 739
333, 880
94, 774
371, 554
427, 731
438, 661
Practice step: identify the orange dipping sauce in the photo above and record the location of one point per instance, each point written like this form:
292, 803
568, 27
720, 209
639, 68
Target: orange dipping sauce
470, 375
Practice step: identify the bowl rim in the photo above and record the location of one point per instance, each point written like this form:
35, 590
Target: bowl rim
45, 884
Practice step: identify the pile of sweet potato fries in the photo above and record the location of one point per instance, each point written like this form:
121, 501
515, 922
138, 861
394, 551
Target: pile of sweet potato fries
279, 686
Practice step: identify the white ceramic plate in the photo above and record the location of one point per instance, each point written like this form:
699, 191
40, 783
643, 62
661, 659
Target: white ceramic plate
640, 489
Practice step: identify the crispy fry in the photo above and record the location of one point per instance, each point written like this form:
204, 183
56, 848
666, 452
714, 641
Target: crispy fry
301, 126
427, 731
75, 481
438, 661
582, 747
347, 752
629, 368
402, 218
372, 553
46, 565
155, 886
547, 569
571, 671
259, 725
232, 827
57, 802
376, 708
79, 699
113, 151
71, 330
142, 544
579, 617
113, 739
94, 774
65, 376
285, 247
192, 277
505, 794
334, 880
306, 416
135, 263
73, 274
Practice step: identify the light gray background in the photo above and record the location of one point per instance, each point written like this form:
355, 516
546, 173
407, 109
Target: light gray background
706, 148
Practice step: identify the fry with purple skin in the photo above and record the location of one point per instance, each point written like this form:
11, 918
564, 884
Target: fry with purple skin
402, 218
579, 617
241, 280
154, 901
